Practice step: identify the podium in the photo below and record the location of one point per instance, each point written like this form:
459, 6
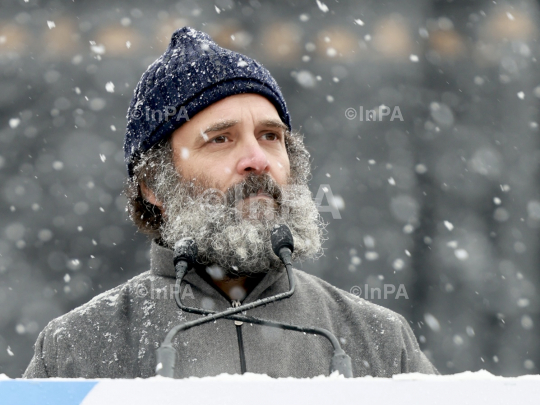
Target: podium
406, 389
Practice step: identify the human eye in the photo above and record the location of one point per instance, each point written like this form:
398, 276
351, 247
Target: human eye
219, 139
270, 136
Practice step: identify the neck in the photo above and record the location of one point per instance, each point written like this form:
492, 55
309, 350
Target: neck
236, 288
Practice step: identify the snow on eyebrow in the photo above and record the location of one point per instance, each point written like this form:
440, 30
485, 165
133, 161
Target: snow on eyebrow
204, 136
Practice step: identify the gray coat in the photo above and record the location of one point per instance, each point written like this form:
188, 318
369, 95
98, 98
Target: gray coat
116, 333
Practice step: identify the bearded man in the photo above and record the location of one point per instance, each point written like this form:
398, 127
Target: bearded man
211, 156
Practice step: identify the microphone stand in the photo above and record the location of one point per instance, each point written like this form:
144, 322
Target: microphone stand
166, 354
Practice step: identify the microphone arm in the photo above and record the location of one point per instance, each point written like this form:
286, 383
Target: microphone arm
166, 354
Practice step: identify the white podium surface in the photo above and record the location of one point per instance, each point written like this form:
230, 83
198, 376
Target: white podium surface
407, 389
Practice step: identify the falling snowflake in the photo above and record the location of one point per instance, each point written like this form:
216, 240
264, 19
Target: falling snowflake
323, 7
14, 122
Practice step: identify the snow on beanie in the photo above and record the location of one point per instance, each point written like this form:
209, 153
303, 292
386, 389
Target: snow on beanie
193, 73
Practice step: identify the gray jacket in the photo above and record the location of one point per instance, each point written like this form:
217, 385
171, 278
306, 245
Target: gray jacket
116, 333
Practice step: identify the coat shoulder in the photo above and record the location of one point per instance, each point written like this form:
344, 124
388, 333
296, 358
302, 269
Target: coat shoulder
384, 339
331, 295
109, 304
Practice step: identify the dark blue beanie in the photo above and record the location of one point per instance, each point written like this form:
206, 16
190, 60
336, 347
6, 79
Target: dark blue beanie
193, 73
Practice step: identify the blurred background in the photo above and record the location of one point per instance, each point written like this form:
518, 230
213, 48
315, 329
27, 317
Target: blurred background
444, 202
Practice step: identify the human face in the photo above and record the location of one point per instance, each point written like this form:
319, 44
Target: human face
230, 139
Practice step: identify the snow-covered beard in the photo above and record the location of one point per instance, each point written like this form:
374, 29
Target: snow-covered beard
232, 232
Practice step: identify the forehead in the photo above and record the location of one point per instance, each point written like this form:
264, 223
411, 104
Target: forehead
238, 107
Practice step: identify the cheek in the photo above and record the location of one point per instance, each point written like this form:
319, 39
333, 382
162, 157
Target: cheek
283, 169
220, 173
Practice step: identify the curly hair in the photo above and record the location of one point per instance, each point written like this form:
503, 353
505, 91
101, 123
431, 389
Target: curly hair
148, 217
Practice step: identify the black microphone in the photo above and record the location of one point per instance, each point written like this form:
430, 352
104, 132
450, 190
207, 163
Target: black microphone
185, 254
282, 243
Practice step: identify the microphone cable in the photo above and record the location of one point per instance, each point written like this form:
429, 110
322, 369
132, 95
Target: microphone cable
283, 246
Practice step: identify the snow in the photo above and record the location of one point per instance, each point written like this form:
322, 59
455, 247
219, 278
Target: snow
14, 122
432, 322
461, 254
469, 388
98, 49
305, 78
398, 264
323, 7
475, 376
331, 52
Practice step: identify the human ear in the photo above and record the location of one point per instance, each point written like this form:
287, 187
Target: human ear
149, 195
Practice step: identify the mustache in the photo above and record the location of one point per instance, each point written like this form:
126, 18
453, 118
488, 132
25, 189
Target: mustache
252, 185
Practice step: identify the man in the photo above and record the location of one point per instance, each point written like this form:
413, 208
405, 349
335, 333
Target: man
211, 156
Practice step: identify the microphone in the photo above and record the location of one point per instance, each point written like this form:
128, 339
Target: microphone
185, 255
282, 243
185, 249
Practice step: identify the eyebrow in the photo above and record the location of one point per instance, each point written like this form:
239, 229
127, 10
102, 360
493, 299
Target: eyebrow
225, 124
274, 124
221, 125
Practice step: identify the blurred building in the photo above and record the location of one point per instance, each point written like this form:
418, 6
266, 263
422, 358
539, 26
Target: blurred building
444, 202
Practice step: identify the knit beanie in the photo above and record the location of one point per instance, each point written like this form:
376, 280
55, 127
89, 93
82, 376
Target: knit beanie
193, 73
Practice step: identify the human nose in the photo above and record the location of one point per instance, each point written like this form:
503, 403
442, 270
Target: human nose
253, 159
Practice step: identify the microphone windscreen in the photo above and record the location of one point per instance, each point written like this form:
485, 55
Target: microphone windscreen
281, 237
185, 249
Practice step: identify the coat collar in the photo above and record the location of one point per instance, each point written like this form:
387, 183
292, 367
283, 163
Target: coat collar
161, 264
